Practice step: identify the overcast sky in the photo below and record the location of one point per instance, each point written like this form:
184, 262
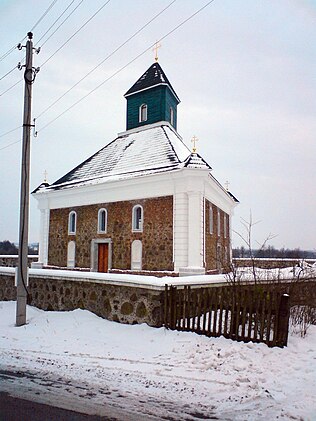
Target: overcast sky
245, 71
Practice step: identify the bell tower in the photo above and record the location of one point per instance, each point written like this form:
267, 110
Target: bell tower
151, 99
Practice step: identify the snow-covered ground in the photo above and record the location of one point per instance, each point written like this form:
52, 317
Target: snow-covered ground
78, 360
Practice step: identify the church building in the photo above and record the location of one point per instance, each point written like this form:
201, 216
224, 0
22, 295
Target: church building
144, 202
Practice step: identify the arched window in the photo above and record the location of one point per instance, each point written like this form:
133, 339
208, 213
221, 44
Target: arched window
225, 225
143, 113
211, 220
137, 218
72, 223
218, 222
102, 220
171, 116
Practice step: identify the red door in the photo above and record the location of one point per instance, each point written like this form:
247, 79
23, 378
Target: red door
103, 256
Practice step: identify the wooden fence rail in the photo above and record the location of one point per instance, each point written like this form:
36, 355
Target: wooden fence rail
241, 313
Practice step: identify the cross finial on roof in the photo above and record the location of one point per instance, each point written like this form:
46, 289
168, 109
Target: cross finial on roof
45, 176
194, 140
227, 185
156, 50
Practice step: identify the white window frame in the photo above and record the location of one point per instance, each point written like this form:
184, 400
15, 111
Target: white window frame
171, 116
72, 215
100, 230
143, 113
135, 219
218, 223
211, 220
225, 225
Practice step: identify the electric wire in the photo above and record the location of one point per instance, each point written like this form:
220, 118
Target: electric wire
106, 58
10, 144
10, 131
34, 26
125, 66
10, 71
11, 87
75, 33
67, 17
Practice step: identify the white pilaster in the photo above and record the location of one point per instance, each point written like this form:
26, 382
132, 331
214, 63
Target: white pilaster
44, 235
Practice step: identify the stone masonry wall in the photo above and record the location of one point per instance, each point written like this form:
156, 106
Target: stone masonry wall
122, 304
12, 261
157, 235
213, 240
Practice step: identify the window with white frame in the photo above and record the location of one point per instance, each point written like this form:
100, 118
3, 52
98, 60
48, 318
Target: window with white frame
72, 223
225, 225
102, 220
171, 116
137, 218
143, 113
211, 220
218, 222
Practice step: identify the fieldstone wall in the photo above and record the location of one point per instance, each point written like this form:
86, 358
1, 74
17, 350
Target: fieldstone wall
213, 240
12, 261
157, 235
124, 304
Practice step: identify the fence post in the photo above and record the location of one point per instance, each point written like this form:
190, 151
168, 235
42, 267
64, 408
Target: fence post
283, 321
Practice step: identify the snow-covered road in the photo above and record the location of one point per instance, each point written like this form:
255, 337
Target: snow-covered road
77, 360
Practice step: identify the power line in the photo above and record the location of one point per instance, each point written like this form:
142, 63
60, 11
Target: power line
7, 74
75, 33
106, 58
11, 87
126, 65
43, 15
34, 26
10, 131
67, 17
10, 144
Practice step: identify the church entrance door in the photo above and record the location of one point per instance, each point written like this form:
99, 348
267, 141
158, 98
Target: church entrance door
103, 257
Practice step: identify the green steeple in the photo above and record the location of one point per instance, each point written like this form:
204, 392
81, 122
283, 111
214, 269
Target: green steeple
151, 99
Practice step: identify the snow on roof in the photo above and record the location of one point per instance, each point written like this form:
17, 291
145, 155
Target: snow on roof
152, 77
147, 150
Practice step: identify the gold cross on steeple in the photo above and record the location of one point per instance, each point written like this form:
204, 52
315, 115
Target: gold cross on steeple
45, 176
156, 50
227, 185
194, 140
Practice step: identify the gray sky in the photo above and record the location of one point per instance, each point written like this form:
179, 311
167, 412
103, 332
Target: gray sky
244, 71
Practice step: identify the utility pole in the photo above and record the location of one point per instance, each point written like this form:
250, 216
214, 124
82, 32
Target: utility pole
22, 276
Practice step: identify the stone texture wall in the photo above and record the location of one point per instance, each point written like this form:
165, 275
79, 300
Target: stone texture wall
213, 259
12, 261
157, 235
122, 304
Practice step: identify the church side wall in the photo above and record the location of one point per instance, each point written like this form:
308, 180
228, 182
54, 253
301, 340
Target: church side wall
217, 247
157, 235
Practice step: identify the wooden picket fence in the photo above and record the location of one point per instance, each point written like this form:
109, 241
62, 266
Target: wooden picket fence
242, 313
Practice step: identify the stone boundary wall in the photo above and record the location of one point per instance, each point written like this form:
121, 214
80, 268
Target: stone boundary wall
270, 263
11, 260
125, 298
120, 303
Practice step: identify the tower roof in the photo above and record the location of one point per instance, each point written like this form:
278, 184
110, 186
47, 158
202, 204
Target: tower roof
153, 76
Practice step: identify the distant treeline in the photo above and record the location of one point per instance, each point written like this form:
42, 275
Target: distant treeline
271, 252
6, 247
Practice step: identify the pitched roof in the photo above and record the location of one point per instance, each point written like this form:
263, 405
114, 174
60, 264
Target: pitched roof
153, 76
147, 150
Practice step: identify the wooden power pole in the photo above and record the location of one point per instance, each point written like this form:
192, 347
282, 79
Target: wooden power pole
22, 276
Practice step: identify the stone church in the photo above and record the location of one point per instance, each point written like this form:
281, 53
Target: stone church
144, 202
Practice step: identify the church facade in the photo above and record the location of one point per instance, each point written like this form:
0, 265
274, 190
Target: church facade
144, 202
